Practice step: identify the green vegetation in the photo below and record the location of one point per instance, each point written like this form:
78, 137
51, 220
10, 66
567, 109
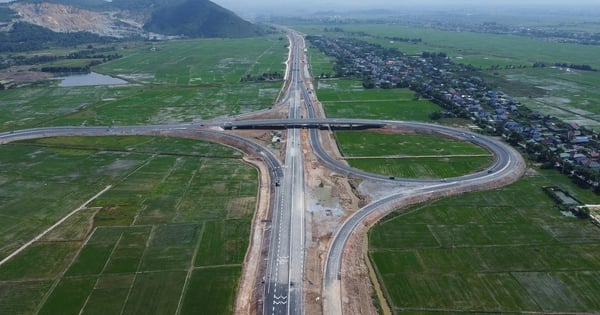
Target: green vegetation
69, 296
477, 49
55, 255
348, 99
182, 81
505, 62
6, 14
422, 167
22, 297
195, 18
223, 242
27, 37
155, 293
321, 66
377, 144
175, 205
569, 95
411, 155
199, 62
210, 291
509, 250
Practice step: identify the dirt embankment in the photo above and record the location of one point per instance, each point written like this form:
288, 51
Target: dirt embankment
331, 199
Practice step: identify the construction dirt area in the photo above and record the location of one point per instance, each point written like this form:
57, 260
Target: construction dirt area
330, 198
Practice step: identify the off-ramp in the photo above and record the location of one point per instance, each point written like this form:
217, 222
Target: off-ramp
508, 167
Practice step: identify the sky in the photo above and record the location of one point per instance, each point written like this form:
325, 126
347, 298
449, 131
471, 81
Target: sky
341, 5
383, 3
297, 6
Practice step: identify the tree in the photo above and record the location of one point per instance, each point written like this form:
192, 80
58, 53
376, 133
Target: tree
514, 138
584, 212
437, 115
368, 83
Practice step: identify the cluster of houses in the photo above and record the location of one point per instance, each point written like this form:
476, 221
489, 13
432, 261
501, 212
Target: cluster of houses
461, 94
553, 34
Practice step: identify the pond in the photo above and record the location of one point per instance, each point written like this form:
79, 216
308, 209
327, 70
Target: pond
90, 79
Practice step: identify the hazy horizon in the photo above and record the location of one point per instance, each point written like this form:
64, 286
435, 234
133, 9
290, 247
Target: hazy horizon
381, 4
268, 6
304, 6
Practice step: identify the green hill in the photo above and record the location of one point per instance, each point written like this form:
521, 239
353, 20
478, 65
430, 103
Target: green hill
191, 18
200, 18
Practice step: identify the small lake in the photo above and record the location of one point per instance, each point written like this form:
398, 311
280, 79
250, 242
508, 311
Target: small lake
90, 79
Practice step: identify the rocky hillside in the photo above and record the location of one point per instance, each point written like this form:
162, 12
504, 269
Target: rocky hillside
65, 18
122, 18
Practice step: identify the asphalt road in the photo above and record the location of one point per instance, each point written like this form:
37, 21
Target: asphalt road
508, 164
499, 149
166, 130
285, 262
285, 270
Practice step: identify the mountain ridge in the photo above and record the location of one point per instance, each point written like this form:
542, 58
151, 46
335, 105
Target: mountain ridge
126, 18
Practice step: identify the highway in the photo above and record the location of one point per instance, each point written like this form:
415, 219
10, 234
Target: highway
283, 280
508, 167
499, 149
285, 270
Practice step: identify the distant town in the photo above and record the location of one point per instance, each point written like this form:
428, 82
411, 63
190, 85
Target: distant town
571, 148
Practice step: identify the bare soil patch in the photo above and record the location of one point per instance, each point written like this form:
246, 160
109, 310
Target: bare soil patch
331, 199
22, 74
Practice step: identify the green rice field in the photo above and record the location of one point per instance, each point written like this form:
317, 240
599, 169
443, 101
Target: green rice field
169, 236
348, 99
478, 49
199, 61
178, 81
503, 251
411, 155
564, 93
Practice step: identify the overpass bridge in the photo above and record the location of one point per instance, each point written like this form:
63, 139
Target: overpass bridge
285, 123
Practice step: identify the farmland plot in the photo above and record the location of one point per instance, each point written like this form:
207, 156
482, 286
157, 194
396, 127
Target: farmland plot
138, 241
508, 250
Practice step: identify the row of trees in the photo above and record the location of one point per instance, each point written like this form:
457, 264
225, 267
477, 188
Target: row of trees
338, 29
404, 39
71, 69
95, 57
582, 67
265, 76
28, 37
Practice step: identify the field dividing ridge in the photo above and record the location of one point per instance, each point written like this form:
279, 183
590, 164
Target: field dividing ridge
506, 251
190, 270
134, 247
35, 239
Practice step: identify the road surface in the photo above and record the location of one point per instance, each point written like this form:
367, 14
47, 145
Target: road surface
285, 270
283, 292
